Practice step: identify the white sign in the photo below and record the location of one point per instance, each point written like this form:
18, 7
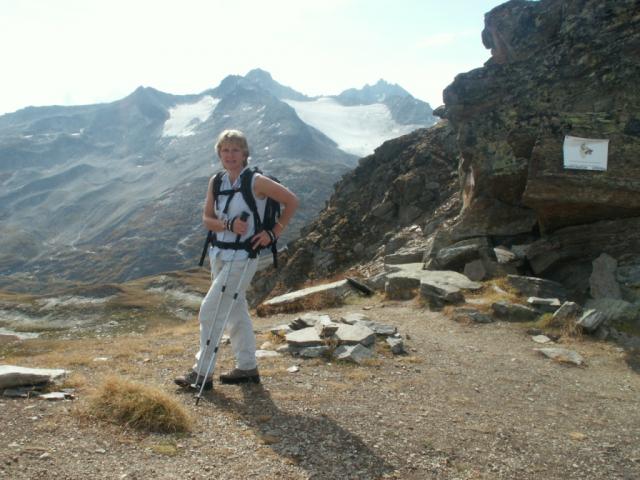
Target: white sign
585, 153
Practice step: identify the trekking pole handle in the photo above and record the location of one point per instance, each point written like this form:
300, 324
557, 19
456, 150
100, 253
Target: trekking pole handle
243, 217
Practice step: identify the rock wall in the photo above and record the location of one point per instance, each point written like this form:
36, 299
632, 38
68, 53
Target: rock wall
558, 67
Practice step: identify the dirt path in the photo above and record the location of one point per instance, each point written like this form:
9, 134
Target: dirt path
469, 402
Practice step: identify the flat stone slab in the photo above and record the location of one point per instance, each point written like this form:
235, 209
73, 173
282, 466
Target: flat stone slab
292, 300
352, 318
12, 376
307, 337
311, 319
546, 305
353, 353
413, 276
354, 334
562, 355
383, 329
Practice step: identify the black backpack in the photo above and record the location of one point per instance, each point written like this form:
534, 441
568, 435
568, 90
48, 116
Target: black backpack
271, 212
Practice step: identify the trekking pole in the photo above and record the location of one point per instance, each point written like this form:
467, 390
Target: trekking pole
243, 217
252, 258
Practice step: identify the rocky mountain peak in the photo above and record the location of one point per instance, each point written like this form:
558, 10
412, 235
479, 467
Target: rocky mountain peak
377, 93
265, 81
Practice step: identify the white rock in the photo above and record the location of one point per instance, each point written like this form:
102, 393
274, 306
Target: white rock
540, 339
266, 354
12, 376
562, 355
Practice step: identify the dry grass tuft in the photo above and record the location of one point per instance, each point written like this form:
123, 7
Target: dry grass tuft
74, 380
568, 327
571, 329
138, 406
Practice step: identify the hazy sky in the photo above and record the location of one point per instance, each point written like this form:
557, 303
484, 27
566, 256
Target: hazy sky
69, 52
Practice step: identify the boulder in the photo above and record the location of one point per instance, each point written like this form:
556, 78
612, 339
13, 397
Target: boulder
603, 281
536, 287
568, 253
590, 320
616, 311
475, 270
439, 285
567, 310
438, 293
12, 376
399, 287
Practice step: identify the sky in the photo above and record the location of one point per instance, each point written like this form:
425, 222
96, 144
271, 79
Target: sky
73, 52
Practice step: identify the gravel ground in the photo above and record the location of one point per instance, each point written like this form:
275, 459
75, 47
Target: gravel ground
467, 402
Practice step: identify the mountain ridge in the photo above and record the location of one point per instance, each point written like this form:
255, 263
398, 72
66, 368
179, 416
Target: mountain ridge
95, 184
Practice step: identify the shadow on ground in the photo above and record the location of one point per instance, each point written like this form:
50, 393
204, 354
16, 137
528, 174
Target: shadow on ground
317, 444
632, 358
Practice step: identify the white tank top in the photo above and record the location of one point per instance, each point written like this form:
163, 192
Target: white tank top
236, 207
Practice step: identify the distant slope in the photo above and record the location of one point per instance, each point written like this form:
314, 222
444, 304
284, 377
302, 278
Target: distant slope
114, 191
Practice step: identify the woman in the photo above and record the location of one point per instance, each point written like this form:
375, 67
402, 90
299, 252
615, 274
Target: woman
232, 268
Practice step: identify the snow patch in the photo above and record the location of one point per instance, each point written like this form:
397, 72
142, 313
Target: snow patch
70, 301
357, 129
186, 299
185, 118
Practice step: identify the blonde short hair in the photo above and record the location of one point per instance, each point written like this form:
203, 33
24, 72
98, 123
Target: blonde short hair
235, 137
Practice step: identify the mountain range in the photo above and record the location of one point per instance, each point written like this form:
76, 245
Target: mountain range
114, 191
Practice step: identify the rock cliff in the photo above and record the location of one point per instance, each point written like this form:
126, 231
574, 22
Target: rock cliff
558, 68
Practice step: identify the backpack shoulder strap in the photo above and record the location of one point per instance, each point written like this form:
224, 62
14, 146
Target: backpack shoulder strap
217, 182
247, 195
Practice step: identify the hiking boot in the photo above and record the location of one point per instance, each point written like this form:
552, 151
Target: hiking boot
237, 376
189, 381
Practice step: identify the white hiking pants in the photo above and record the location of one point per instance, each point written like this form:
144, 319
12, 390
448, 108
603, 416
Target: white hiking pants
243, 341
